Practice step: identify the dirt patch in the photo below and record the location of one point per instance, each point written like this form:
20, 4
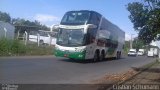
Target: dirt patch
114, 78
148, 74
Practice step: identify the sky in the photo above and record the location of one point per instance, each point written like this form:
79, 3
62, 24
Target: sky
50, 12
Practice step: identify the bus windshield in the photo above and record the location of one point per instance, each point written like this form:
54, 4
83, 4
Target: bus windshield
75, 18
70, 37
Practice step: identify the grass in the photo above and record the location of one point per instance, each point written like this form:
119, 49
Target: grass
41, 50
125, 51
17, 48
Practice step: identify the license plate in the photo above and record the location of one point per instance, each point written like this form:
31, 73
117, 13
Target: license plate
65, 55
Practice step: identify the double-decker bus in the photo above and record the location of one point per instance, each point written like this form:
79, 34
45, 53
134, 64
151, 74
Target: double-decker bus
87, 34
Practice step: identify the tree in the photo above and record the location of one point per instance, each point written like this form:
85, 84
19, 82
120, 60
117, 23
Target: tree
23, 22
145, 17
5, 17
138, 44
20, 21
126, 47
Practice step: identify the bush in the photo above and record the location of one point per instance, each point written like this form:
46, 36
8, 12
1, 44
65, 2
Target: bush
16, 47
33, 49
4, 47
11, 47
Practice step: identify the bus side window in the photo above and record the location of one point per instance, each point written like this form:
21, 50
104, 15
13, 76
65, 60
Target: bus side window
108, 43
94, 19
91, 36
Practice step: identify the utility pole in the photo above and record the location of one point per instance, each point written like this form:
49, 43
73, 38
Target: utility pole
131, 41
38, 39
26, 37
5, 32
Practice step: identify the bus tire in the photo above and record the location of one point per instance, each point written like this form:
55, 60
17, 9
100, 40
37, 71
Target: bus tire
96, 57
102, 57
117, 55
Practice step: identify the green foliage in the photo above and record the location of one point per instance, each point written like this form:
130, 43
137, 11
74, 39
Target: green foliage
5, 17
146, 19
21, 22
11, 47
4, 47
138, 44
42, 50
126, 47
16, 48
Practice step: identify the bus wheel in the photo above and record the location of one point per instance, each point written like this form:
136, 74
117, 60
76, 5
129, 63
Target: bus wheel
117, 56
102, 57
96, 57
41, 42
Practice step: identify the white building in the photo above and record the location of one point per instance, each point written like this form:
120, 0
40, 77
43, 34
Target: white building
7, 30
156, 47
155, 43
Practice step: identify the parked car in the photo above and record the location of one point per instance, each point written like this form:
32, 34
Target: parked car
132, 52
140, 53
44, 37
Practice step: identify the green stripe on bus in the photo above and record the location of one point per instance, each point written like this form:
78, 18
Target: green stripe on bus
111, 51
73, 55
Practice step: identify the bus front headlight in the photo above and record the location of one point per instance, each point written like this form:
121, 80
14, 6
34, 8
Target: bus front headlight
56, 47
80, 55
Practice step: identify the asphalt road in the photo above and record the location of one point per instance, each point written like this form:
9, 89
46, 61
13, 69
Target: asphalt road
52, 70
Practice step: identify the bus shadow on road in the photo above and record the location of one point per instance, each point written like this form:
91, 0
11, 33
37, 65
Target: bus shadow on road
89, 61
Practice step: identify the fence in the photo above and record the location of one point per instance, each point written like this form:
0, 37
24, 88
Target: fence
39, 37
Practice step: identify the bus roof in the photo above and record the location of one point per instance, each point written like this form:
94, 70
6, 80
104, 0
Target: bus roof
91, 11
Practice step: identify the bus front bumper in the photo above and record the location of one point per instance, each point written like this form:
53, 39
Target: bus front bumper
73, 55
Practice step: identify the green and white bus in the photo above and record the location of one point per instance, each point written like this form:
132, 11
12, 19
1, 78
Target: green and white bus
87, 34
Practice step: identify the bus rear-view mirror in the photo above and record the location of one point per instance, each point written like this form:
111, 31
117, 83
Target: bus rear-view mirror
54, 28
92, 26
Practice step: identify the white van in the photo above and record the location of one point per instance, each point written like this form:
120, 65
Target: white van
153, 52
140, 52
150, 54
132, 52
